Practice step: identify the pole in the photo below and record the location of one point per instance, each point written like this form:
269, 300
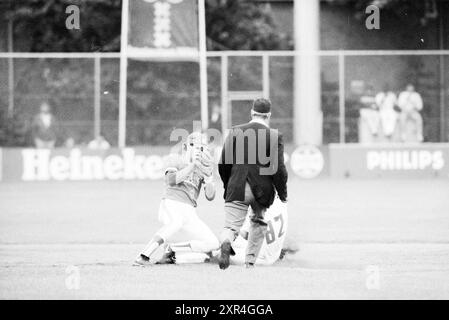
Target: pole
307, 113
341, 97
266, 76
10, 70
123, 75
97, 105
203, 63
443, 134
224, 93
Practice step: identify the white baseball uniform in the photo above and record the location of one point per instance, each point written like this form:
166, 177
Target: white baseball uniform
277, 219
177, 211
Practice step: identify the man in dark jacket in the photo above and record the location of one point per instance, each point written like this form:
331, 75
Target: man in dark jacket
44, 128
252, 169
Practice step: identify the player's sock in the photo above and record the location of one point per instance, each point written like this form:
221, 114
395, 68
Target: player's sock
152, 246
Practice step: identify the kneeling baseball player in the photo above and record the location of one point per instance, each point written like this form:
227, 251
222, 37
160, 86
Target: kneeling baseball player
184, 178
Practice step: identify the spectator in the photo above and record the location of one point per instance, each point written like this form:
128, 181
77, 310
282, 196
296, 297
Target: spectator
44, 128
215, 119
69, 143
99, 143
410, 103
386, 101
369, 115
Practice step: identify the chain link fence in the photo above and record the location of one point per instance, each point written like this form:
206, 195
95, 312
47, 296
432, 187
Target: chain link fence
163, 96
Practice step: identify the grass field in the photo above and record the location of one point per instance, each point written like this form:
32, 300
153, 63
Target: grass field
341, 226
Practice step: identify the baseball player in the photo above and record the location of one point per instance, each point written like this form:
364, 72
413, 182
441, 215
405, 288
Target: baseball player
272, 248
184, 178
277, 219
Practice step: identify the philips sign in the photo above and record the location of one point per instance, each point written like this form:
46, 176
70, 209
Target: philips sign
389, 161
404, 160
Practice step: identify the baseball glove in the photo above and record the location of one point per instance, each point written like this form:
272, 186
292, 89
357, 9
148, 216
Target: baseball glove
204, 162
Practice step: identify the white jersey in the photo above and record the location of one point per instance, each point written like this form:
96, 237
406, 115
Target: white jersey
410, 101
277, 220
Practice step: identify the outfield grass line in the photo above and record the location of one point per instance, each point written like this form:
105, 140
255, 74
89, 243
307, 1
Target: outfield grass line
295, 264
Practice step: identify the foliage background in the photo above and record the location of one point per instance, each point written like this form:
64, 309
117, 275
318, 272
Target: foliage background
157, 100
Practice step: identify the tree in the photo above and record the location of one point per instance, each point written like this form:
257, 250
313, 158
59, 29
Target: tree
242, 25
39, 25
231, 25
155, 90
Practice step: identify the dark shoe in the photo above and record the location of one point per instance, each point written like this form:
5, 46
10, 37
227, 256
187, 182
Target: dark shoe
288, 250
142, 261
169, 257
282, 254
223, 260
249, 265
212, 258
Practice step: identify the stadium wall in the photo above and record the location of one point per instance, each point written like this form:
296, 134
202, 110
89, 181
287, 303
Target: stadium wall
303, 162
